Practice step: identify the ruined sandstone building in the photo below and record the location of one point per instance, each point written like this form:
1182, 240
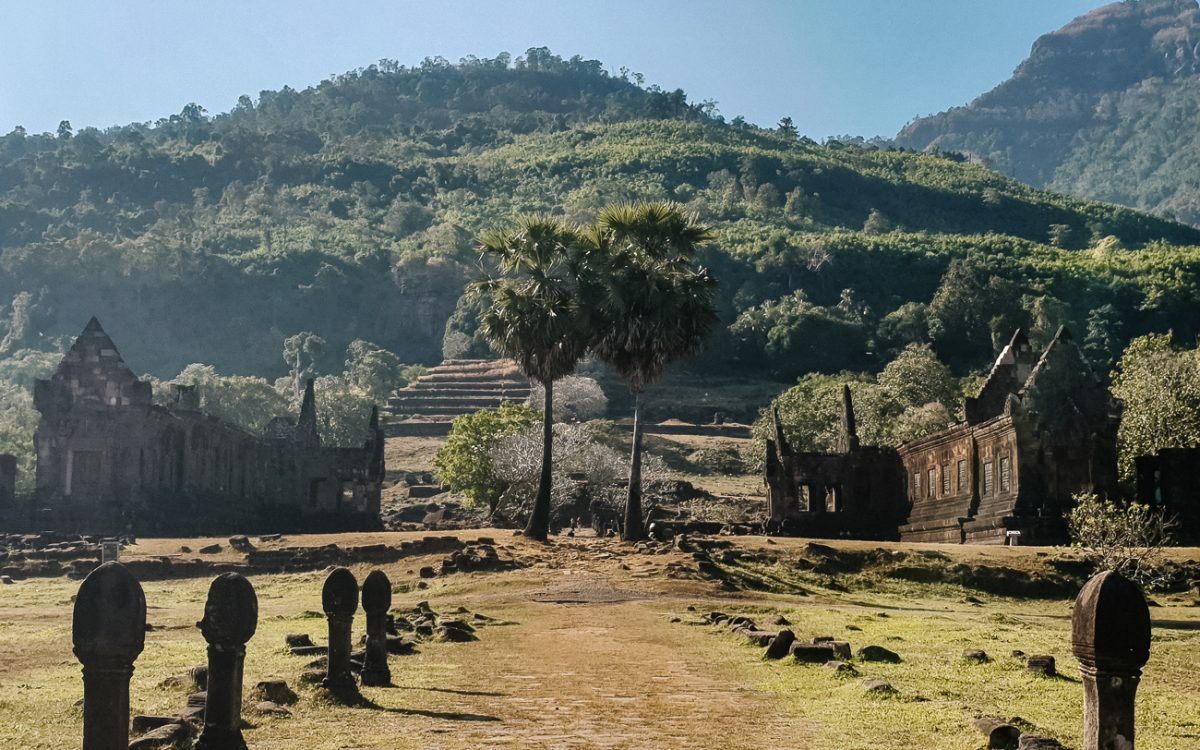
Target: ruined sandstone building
1042, 428
110, 460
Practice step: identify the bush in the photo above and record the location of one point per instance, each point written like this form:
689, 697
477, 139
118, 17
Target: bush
576, 399
724, 460
579, 457
464, 463
1128, 539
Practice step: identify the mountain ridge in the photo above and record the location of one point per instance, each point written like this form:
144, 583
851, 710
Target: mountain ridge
1095, 110
349, 208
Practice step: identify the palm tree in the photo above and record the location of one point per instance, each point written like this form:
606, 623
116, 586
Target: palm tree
540, 315
658, 307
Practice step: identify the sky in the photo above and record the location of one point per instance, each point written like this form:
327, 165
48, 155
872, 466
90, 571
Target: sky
836, 67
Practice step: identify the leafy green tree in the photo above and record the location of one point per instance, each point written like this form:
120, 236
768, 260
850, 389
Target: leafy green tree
343, 411
541, 316
302, 352
376, 372
464, 463
917, 377
246, 401
799, 336
18, 420
657, 308
1160, 386
972, 308
907, 324
1102, 339
877, 223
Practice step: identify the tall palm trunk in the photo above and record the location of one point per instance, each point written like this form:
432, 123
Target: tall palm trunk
539, 521
633, 529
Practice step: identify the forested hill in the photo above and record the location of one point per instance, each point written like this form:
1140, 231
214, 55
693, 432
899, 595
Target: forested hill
1107, 107
349, 209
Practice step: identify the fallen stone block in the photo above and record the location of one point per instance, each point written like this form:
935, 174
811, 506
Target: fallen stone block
778, 647
811, 653
878, 653
1043, 665
1000, 734
275, 691
267, 708
167, 736
879, 687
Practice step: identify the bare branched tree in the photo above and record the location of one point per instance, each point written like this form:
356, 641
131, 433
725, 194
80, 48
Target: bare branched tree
1129, 539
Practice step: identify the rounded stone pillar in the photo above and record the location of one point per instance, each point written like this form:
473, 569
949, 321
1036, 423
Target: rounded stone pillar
1110, 636
230, 619
339, 599
109, 633
376, 601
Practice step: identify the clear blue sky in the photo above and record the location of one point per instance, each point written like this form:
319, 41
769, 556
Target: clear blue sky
861, 67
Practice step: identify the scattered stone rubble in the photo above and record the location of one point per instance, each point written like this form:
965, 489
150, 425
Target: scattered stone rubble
51, 555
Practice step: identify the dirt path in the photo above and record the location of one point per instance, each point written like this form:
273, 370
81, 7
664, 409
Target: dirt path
609, 675
588, 661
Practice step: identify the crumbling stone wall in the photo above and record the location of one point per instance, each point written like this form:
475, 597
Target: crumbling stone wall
1042, 429
1026, 448
8, 479
110, 460
854, 493
1169, 480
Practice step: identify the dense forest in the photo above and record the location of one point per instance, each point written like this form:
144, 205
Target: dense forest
349, 210
1106, 107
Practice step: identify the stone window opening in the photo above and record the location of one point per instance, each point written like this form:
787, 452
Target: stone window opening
833, 498
931, 482
1005, 474
804, 499
989, 476
945, 479
962, 475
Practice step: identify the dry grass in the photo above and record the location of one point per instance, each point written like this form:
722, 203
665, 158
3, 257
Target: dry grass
589, 659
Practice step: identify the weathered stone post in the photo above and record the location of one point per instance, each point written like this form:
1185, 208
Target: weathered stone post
376, 600
109, 632
230, 619
339, 599
1110, 635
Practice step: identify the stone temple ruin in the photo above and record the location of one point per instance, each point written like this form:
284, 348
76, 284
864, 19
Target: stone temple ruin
1042, 428
110, 460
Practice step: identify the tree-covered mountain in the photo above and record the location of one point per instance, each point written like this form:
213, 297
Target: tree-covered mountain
349, 209
1107, 107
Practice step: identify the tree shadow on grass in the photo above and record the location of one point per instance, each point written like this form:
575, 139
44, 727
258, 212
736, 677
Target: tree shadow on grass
354, 699
482, 693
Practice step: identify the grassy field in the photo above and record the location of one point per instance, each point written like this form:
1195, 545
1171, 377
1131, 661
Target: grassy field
585, 655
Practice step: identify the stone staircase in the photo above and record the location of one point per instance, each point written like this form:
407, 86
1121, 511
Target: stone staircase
429, 404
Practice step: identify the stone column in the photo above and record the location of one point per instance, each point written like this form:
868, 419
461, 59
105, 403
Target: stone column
230, 619
1110, 636
376, 601
109, 632
339, 598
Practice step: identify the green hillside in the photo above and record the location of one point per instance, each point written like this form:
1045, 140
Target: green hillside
348, 209
1106, 107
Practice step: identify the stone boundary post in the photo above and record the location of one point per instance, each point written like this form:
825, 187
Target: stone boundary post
339, 599
376, 601
230, 619
1110, 636
109, 633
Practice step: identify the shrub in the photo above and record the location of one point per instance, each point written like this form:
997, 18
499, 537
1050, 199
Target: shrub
576, 399
464, 463
578, 457
1128, 539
